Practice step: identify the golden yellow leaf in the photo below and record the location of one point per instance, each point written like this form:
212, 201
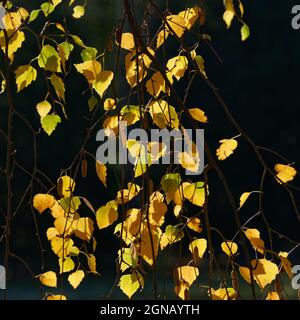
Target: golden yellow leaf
58, 86
66, 264
57, 210
75, 278
194, 224
195, 193
223, 294
190, 15
157, 211
101, 172
228, 17
90, 69
176, 25
125, 195
177, 66
92, 264
161, 37
64, 225
146, 243
51, 233
287, 265
13, 20
130, 283
61, 246
188, 161
188, 274
156, 84
109, 104
198, 248
66, 186
198, 115
48, 279
273, 295
127, 41
229, 247
43, 108
244, 198
24, 76
264, 272
163, 114
107, 215
83, 228
41, 202
226, 148
15, 42
182, 290
171, 235
254, 237
285, 173
56, 297
102, 82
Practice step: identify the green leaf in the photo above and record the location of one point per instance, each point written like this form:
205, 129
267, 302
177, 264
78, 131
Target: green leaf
47, 8
24, 76
89, 53
49, 123
34, 14
78, 12
92, 102
49, 59
65, 48
245, 32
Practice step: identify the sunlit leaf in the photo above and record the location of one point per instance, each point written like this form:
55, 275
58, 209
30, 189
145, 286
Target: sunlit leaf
75, 278
227, 146
24, 76
285, 173
130, 283
103, 81
66, 264
48, 279
229, 247
41, 202
107, 215
101, 172
198, 248
49, 59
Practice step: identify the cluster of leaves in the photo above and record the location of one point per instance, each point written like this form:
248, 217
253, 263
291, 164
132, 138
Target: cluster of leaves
142, 230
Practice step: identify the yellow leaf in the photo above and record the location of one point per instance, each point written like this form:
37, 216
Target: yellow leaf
195, 193
254, 237
273, 295
102, 82
24, 76
223, 294
78, 12
15, 42
285, 173
57, 210
48, 279
90, 69
194, 224
58, 86
41, 202
228, 17
62, 246
75, 278
287, 265
83, 228
264, 272
156, 84
56, 297
175, 24
157, 211
171, 235
187, 274
92, 264
49, 122
66, 264
244, 198
43, 108
182, 290
109, 104
188, 161
163, 114
107, 215
198, 248
13, 20
177, 66
190, 15
51, 233
229, 247
146, 243
66, 186
128, 194
64, 225
198, 115
127, 41
226, 148
161, 37
101, 172
130, 283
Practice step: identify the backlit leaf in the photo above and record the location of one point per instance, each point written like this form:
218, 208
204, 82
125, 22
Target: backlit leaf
227, 146
130, 283
229, 247
24, 76
48, 279
49, 59
75, 278
107, 215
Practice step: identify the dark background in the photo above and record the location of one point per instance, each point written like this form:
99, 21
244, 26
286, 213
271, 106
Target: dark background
260, 83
